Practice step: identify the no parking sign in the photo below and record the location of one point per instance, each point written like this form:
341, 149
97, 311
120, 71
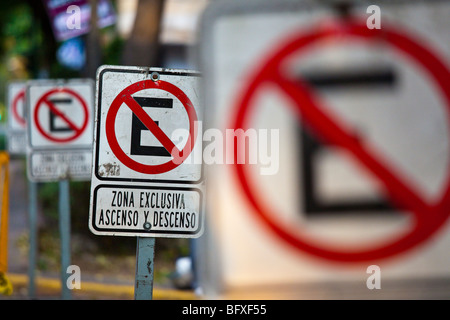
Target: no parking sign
16, 118
362, 177
429, 217
60, 129
145, 181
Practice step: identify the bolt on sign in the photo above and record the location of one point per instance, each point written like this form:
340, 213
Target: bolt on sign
145, 181
17, 142
60, 129
363, 116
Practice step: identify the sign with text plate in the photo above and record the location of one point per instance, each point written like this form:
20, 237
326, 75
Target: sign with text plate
60, 129
16, 118
147, 172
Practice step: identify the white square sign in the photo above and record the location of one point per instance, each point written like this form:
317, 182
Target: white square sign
16, 118
60, 129
147, 170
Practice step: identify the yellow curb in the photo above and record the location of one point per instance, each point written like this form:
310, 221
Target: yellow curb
96, 290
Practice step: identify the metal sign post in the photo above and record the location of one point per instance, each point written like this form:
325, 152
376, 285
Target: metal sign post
64, 228
5, 284
17, 145
145, 254
32, 217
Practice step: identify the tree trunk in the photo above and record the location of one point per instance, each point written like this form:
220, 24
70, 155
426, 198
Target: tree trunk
141, 48
93, 47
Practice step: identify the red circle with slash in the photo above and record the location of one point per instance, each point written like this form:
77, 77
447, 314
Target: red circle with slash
125, 97
19, 118
77, 130
429, 217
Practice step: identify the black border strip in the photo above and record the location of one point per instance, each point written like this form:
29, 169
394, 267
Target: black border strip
118, 231
99, 123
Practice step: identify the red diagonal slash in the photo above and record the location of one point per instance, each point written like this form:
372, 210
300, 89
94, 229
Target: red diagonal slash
429, 217
152, 126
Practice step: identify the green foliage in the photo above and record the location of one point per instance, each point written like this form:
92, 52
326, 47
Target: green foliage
48, 198
113, 47
18, 33
19, 38
2, 142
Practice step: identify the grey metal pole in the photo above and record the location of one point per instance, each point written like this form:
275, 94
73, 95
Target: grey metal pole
32, 217
64, 230
145, 255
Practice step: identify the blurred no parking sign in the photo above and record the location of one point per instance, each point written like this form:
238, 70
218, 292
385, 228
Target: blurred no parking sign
16, 120
60, 129
363, 116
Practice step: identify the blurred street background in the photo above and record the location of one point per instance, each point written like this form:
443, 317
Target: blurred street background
348, 106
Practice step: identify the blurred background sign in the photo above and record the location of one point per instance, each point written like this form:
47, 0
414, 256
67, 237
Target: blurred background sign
361, 171
75, 21
16, 121
72, 54
60, 129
